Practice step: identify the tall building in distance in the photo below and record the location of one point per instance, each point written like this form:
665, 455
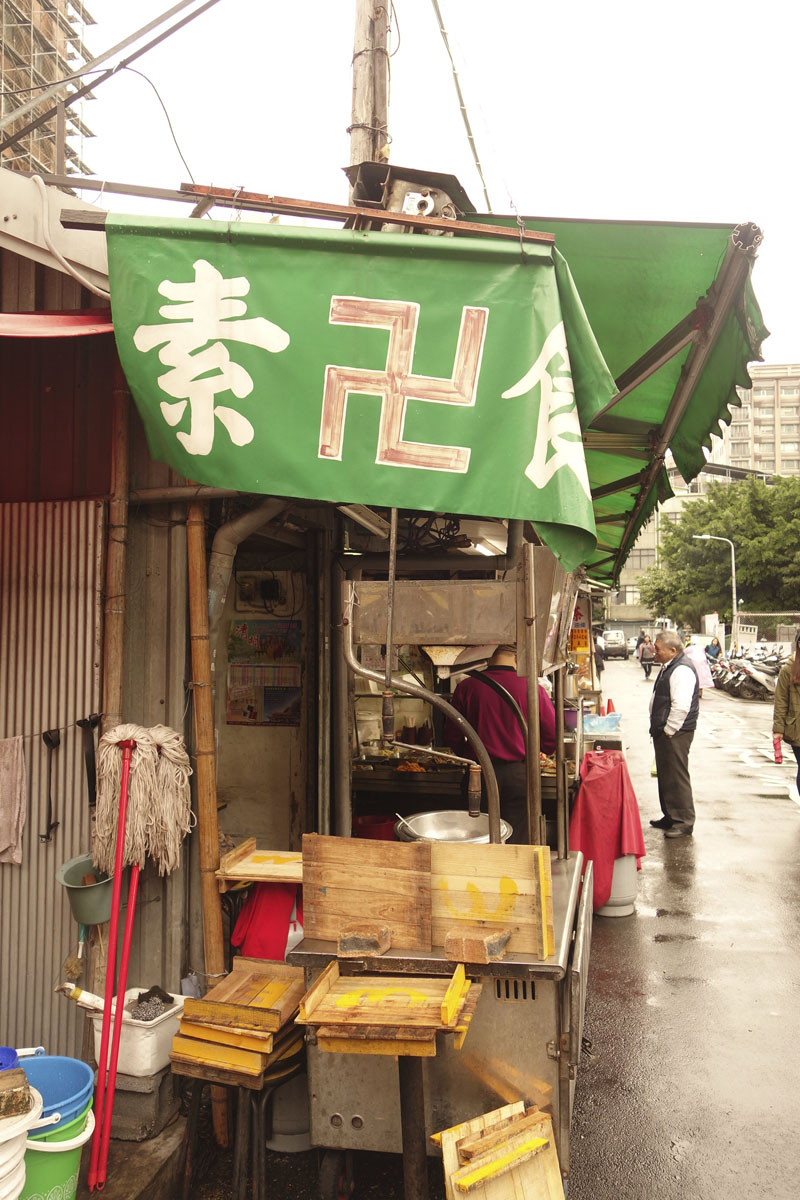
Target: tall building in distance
41, 41
764, 434
762, 440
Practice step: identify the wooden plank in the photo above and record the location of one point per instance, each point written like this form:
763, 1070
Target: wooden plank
257, 994
525, 1164
454, 996
350, 879
472, 1176
318, 990
380, 1000
493, 888
381, 1040
546, 901
246, 864
464, 1019
195, 1070
487, 1139
448, 1139
224, 1058
235, 856
246, 1039
473, 944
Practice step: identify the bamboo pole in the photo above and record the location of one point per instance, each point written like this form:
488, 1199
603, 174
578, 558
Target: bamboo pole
116, 556
114, 589
205, 773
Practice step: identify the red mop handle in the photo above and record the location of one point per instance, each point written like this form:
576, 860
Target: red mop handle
127, 748
119, 1010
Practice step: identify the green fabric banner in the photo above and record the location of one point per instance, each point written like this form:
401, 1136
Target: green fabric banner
417, 372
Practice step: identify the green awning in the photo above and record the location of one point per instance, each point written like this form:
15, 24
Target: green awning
676, 320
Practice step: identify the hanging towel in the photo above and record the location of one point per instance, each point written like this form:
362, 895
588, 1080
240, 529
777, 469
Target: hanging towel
13, 799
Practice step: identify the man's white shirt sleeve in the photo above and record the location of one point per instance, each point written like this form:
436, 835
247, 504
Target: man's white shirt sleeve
681, 692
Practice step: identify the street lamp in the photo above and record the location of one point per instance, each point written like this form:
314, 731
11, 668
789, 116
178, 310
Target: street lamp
712, 537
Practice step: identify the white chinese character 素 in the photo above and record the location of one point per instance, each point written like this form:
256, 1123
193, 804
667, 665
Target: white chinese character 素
206, 311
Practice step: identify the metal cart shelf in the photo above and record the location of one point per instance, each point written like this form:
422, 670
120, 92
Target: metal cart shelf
524, 1040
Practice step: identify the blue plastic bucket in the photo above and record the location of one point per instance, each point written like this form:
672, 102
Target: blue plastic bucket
66, 1085
8, 1058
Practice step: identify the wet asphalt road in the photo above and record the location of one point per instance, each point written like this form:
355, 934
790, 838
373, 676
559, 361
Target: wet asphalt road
692, 1090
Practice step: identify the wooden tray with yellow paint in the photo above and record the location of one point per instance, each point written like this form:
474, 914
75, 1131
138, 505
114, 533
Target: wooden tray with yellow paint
385, 1014
246, 864
256, 995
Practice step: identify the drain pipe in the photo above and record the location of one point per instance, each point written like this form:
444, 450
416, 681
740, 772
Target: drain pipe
414, 689
223, 552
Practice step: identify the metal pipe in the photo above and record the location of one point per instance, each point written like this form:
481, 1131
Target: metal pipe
533, 772
324, 682
340, 711
514, 545
414, 689
412, 1122
158, 495
561, 780
388, 694
223, 552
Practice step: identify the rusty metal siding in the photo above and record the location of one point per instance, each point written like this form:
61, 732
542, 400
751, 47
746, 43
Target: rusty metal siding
55, 416
51, 557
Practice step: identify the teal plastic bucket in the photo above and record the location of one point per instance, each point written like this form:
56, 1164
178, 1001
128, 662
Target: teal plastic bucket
66, 1084
53, 1161
90, 902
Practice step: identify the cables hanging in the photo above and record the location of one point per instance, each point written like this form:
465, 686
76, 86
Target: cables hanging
462, 105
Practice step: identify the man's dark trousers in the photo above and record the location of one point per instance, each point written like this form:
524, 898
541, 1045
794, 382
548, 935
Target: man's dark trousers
674, 784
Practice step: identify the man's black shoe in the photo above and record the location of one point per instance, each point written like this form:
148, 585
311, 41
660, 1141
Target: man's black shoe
678, 831
662, 823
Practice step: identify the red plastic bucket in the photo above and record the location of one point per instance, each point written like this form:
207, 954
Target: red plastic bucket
377, 826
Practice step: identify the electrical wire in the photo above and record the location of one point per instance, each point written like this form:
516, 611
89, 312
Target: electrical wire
147, 79
462, 104
52, 83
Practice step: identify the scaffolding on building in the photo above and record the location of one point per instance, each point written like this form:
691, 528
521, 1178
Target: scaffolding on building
41, 41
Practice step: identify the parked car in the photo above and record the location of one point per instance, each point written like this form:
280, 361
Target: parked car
616, 646
632, 645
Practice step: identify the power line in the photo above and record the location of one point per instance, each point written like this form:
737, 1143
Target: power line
462, 104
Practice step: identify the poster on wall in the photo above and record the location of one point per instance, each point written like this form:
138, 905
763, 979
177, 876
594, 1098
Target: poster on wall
264, 673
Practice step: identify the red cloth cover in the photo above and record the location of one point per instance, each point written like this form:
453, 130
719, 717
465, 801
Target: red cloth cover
605, 822
263, 924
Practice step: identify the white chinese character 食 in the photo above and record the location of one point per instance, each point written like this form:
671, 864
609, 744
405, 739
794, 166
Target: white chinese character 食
203, 312
558, 430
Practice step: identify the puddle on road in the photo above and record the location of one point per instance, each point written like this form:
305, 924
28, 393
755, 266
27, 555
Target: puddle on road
675, 937
675, 912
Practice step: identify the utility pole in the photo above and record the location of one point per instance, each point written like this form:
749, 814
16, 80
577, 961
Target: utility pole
369, 137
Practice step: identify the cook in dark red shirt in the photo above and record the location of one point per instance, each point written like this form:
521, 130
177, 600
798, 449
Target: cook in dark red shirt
493, 720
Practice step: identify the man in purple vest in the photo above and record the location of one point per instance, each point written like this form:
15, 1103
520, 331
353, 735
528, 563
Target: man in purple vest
673, 719
493, 719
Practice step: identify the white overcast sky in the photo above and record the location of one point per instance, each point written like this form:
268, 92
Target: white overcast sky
628, 109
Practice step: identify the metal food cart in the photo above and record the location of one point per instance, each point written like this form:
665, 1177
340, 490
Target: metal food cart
524, 1041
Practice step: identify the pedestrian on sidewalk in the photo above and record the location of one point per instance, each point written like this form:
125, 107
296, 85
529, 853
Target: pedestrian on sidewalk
647, 655
674, 706
786, 713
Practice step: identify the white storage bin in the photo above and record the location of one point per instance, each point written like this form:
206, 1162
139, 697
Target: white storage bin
144, 1046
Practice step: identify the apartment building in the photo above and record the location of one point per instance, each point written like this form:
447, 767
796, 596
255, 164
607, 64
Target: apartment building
765, 432
41, 41
763, 439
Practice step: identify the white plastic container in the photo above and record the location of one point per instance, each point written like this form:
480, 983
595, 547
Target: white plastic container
624, 888
144, 1046
13, 1136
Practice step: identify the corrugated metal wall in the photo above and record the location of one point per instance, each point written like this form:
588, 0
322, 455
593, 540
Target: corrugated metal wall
51, 558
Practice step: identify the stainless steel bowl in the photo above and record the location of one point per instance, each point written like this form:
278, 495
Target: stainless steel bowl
452, 825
